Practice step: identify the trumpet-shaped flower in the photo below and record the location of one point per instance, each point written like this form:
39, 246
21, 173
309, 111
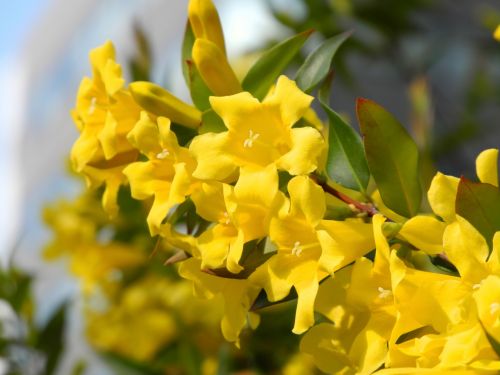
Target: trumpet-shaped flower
237, 296
259, 134
309, 248
105, 112
166, 175
242, 214
359, 301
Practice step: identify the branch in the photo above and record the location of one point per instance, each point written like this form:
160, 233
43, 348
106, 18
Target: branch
367, 208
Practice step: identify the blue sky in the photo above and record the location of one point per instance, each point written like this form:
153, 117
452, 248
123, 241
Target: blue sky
15, 20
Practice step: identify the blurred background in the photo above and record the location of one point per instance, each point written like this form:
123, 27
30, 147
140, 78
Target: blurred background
433, 63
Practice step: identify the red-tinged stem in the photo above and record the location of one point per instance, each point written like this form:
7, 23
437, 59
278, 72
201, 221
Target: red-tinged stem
368, 208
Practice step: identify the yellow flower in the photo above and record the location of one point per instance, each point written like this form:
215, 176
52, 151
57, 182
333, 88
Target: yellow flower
259, 134
443, 189
166, 175
95, 263
237, 296
104, 114
242, 214
309, 248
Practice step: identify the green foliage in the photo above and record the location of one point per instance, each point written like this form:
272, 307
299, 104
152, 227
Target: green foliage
271, 64
318, 63
392, 157
346, 162
479, 204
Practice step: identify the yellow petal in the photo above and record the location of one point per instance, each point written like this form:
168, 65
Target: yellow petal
205, 22
467, 250
214, 68
238, 296
107, 137
209, 202
487, 166
213, 163
235, 252
214, 245
381, 266
304, 315
324, 343
425, 233
292, 102
307, 199
307, 148
145, 136
342, 242
442, 194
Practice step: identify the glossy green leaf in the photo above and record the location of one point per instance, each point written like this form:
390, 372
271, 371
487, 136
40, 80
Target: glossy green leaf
211, 123
263, 74
392, 157
479, 204
346, 162
318, 63
197, 88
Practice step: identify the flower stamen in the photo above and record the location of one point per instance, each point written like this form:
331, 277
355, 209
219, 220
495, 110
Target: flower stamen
92, 105
252, 137
163, 154
297, 249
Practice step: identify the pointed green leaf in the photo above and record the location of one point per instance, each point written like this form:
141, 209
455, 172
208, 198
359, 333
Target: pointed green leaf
479, 204
263, 74
392, 158
211, 123
346, 162
318, 63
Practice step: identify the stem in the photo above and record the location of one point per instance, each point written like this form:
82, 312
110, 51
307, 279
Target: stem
368, 208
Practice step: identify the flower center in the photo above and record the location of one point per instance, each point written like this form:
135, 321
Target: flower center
383, 293
163, 154
227, 220
297, 249
252, 137
92, 105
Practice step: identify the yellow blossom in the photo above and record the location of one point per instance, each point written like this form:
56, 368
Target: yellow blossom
242, 214
105, 112
259, 134
309, 248
166, 175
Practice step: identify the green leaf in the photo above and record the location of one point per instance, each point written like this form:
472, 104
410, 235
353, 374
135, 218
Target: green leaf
479, 204
50, 339
346, 162
211, 123
197, 88
140, 64
271, 64
318, 63
392, 158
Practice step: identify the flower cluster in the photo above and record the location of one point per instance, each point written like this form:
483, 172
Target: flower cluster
264, 203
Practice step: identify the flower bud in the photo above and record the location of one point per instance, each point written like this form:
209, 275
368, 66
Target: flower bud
214, 68
160, 102
205, 22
